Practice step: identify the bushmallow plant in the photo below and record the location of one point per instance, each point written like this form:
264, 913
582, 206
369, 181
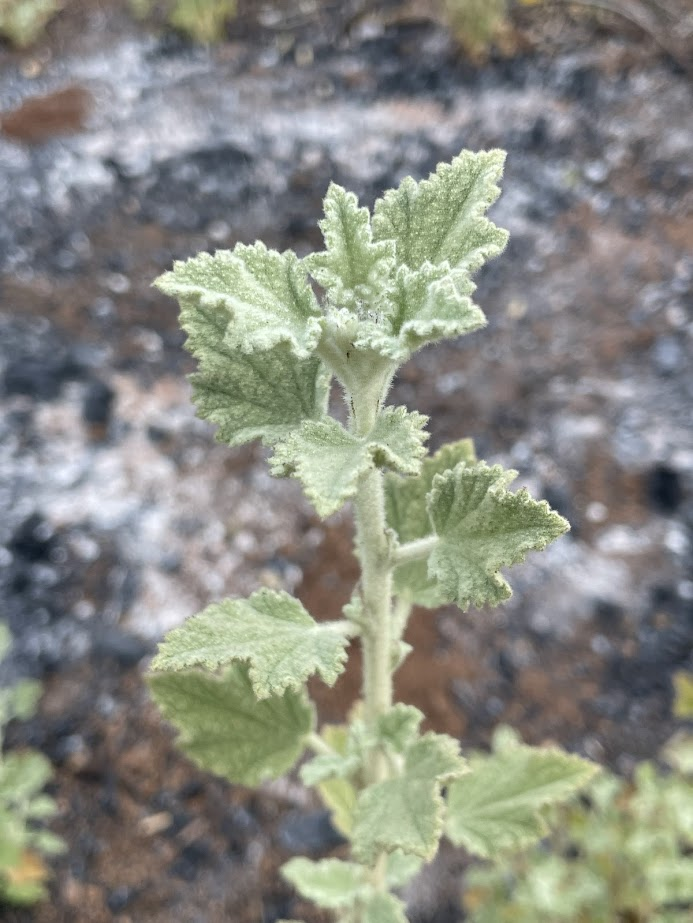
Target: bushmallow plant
430, 530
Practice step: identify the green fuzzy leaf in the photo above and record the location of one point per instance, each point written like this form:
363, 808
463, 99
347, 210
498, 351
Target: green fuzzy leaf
22, 775
328, 459
397, 440
19, 701
407, 812
441, 219
384, 908
398, 727
270, 630
330, 883
683, 694
353, 270
405, 503
496, 807
263, 295
224, 728
5, 640
424, 305
254, 396
482, 526
401, 868
339, 795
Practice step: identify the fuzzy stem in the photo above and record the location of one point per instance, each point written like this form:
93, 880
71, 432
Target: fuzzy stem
376, 591
414, 551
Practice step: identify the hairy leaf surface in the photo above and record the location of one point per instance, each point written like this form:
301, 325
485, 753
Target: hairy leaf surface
329, 883
407, 812
424, 305
482, 527
265, 295
405, 503
496, 806
353, 270
384, 908
328, 459
442, 219
224, 729
270, 630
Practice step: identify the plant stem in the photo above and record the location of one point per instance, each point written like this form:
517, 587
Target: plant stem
376, 589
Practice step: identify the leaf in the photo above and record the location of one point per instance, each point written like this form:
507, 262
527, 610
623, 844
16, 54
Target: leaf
441, 219
397, 727
678, 752
329, 883
353, 269
339, 795
5, 640
251, 396
22, 775
424, 305
328, 459
224, 729
270, 630
263, 296
330, 773
496, 806
482, 526
405, 504
397, 440
20, 701
384, 908
407, 812
401, 868
683, 694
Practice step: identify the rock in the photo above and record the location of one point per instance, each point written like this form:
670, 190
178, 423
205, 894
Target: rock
40, 377
33, 539
309, 832
126, 649
98, 403
663, 488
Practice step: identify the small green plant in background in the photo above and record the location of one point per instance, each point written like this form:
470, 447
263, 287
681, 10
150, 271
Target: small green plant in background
23, 21
23, 805
622, 853
477, 24
430, 530
202, 20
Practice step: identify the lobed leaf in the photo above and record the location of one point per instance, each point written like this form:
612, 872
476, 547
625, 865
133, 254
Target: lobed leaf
328, 459
224, 729
405, 504
329, 883
270, 630
424, 305
482, 526
441, 219
339, 796
406, 812
398, 727
257, 396
22, 775
384, 908
264, 297
496, 807
353, 270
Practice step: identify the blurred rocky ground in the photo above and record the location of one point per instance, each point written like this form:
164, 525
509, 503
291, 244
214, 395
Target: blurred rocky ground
119, 515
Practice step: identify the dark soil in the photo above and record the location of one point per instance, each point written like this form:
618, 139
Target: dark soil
119, 516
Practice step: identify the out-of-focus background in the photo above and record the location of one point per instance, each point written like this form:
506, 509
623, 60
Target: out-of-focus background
128, 140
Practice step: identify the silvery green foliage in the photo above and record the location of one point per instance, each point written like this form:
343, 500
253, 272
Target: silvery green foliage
623, 852
436, 528
23, 804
